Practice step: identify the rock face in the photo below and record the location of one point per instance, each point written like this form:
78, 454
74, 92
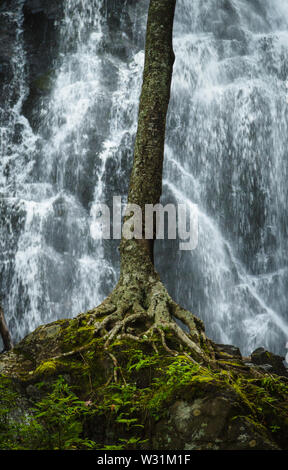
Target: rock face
174, 403
41, 35
41, 30
206, 424
41, 38
8, 31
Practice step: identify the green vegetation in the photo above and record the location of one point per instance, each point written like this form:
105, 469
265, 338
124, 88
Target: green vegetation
8, 402
130, 395
54, 423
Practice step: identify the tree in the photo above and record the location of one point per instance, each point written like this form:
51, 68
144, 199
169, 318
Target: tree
4, 332
140, 298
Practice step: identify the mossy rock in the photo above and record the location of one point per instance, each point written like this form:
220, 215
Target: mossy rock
43, 83
150, 400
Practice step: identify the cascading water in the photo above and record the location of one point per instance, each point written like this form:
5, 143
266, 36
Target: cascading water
56, 268
226, 134
227, 152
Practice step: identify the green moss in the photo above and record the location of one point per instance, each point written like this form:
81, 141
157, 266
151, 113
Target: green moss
77, 334
46, 368
140, 391
232, 363
148, 384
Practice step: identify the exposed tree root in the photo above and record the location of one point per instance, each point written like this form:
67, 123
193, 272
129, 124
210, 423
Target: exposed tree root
116, 370
142, 313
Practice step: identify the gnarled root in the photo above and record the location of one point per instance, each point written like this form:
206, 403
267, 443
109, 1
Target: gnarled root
141, 314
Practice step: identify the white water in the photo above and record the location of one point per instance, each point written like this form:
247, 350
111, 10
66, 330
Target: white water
226, 151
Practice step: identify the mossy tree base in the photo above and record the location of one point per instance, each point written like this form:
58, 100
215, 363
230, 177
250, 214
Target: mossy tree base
140, 308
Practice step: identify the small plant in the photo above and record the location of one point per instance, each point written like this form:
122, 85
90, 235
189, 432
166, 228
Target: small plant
275, 428
8, 401
140, 361
55, 423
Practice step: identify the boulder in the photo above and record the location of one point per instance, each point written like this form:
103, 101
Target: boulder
269, 362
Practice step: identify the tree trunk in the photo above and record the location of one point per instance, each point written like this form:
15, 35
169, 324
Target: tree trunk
140, 295
4, 332
146, 177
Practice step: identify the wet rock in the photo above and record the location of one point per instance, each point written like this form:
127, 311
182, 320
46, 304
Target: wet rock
269, 362
51, 9
229, 349
8, 35
41, 35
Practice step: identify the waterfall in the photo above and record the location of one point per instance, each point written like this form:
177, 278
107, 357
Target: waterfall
225, 151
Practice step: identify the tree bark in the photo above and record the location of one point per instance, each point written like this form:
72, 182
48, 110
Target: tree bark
4, 332
146, 177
